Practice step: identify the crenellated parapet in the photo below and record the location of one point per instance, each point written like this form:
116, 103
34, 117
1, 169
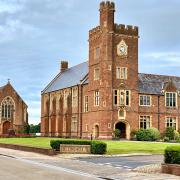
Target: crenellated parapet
126, 29
107, 5
94, 32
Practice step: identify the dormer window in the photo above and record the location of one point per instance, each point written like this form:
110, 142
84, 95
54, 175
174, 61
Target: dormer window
171, 99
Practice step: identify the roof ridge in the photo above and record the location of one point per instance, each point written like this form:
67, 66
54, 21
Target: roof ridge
160, 75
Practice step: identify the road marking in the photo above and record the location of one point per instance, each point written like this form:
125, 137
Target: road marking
40, 164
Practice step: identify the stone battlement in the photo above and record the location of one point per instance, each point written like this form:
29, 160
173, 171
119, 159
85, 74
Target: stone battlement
107, 5
126, 29
94, 30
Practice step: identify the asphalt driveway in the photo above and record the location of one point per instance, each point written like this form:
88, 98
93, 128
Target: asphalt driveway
128, 162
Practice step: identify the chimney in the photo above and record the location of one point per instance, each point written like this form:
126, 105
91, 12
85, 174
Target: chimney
107, 9
64, 65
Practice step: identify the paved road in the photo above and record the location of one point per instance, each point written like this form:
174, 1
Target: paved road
32, 166
130, 162
21, 169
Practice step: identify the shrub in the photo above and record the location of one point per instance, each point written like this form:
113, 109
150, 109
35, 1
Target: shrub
169, 132
151, 134
133, 134
172, 155
117, 133
176, 135
141, 135
97, 147
166, 139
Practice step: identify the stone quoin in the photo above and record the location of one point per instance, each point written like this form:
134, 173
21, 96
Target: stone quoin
92, 99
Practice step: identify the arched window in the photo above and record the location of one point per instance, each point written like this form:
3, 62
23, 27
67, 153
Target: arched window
7, 108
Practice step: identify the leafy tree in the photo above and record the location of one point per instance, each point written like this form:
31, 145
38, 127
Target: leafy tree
35, 128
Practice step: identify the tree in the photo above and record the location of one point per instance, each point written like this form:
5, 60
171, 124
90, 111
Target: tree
35, 128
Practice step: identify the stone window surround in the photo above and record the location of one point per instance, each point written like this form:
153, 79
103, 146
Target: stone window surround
121, 72
150, 100
176, 100
117, 93
144, 120
96, 98
86, 103
172, 120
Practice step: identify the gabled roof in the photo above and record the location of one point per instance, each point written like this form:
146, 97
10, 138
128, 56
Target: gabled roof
3, 88
148, 83
70, 77
154, 84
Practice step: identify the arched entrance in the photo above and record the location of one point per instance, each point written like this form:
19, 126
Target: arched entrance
6, 127
122, 127
96, 131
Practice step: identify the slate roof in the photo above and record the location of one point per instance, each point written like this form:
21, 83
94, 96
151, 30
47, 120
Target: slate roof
153, 84
148, 83
70, 77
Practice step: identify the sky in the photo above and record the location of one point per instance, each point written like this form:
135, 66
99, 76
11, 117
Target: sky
35, 35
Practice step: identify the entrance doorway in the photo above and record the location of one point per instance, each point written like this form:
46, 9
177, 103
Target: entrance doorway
6, 127
96, 131
122, 127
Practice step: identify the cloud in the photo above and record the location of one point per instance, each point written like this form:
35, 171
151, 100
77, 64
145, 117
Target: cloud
37, 34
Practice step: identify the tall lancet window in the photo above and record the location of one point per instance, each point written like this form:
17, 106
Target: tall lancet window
7, 108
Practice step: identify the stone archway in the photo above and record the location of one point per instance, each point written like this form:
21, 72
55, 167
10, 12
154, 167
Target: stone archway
6, 127
124, 127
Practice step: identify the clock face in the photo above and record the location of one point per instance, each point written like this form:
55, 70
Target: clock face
122, 49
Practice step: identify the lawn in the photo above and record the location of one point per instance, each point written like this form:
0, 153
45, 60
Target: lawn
114, 147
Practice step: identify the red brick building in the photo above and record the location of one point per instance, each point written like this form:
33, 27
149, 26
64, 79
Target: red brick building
13, 111
107, 92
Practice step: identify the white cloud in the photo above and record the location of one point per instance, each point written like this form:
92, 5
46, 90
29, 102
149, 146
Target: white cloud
10, 6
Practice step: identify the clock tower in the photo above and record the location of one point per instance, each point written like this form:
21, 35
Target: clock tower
113, 73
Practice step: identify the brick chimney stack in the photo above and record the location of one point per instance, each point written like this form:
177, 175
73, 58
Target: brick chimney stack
107, 10
64, 65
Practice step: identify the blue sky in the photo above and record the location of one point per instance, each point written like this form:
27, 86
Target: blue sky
36, 34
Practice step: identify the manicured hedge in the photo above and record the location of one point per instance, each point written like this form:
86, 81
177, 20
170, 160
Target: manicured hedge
172, 155
151, 134
97, 147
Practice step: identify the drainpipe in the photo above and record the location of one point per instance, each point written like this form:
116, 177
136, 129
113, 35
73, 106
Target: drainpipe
158, 113
80, 107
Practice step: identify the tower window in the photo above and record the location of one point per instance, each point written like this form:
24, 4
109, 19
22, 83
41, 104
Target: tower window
96, 98
121, 73
96, 74
122, 97
97, 53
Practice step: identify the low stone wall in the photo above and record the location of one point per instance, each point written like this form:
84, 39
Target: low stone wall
49, 152
75, 149
171, 169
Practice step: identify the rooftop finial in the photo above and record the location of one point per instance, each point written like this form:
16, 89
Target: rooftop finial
9, 81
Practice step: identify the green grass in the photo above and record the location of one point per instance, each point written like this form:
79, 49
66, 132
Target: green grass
125, 147
114, 147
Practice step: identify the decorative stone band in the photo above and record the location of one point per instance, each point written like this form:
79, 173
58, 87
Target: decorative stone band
75, 149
